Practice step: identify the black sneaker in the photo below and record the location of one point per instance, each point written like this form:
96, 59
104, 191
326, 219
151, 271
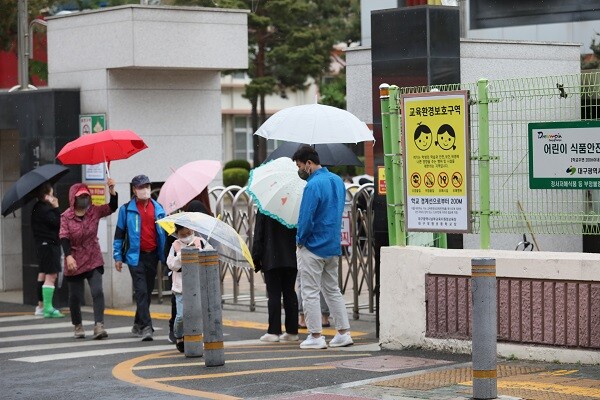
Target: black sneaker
180, 346
171, 338
147, 334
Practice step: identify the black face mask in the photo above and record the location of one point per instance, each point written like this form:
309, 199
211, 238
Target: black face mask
82, 203
303, 174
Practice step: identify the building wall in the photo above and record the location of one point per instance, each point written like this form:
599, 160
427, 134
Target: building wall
403, 272
11, 265
156, 71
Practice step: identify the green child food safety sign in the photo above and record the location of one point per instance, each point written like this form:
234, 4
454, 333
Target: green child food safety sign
564, 155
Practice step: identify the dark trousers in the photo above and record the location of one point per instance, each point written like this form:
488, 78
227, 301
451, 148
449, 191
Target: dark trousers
282, 281
76, 293
143, 276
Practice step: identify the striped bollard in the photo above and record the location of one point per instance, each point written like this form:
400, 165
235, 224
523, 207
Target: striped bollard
192, 309
484, 297
212, 316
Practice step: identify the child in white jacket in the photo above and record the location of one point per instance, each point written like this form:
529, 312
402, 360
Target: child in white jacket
185, 238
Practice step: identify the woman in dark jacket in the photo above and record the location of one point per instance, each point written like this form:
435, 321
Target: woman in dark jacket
274, 252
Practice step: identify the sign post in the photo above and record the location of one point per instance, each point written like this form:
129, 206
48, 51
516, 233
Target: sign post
436, 161
88, 124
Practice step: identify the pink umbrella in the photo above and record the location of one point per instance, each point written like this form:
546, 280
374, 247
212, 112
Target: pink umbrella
186, 183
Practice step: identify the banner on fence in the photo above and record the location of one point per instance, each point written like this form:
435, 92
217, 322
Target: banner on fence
564, 155
436, 153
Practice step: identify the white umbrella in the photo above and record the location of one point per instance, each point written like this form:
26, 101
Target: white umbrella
228, 243
315, 124
277, 190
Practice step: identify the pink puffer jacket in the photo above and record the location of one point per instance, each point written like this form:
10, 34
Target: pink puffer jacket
83, 234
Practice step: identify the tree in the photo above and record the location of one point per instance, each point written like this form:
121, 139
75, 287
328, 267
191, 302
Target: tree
289, 41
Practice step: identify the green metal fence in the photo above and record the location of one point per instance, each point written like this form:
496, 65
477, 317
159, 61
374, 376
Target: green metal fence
500, 111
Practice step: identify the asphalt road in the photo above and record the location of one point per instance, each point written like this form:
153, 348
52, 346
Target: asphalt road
40, 359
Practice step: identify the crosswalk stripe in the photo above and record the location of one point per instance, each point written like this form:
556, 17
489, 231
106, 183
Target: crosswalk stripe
17, 318
73, 344
59, 335
92, 353
38, 327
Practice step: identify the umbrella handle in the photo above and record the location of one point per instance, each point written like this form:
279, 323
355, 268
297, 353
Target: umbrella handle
106, 167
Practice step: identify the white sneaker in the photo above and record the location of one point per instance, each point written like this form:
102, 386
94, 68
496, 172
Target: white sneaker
341, 340
269, 337
312, 342
39, 311
288, 337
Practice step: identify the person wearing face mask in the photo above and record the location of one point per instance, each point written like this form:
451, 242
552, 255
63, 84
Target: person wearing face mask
139, 242
83, 258
318, 242
185, 238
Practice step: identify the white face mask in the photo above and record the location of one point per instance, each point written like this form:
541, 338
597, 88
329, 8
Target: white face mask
187, 240
143, 194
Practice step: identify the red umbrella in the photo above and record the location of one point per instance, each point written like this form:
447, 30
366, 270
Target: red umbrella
100, 147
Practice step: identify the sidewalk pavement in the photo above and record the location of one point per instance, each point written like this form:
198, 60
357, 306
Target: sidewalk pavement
417, 373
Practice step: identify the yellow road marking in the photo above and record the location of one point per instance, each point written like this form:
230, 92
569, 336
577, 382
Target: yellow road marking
560, 372
240, 373
194, 364
226, 322
551, 388
124, 372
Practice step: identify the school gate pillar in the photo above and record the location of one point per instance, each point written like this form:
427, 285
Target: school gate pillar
155, 70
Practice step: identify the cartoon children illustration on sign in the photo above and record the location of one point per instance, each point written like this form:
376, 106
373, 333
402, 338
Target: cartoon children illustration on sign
423, 137
446, 138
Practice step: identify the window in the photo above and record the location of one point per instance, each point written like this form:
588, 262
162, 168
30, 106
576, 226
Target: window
242, 139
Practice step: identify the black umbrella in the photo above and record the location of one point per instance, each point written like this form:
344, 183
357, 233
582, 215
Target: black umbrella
24, 189
330, 154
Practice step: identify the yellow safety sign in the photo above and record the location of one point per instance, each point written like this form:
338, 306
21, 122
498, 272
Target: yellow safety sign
436, 161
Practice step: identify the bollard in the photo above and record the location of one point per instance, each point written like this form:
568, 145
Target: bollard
192, 310
484, 297
212, 316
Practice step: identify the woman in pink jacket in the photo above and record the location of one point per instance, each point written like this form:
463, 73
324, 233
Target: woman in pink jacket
83, 258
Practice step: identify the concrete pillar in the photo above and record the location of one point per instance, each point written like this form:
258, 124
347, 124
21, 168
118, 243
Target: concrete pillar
210, 292
192, 310
485, 331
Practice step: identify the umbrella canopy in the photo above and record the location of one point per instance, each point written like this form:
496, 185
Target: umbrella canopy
101, 147
186, 183
228, 243
277, 190
314, 124
330, 154
24, 189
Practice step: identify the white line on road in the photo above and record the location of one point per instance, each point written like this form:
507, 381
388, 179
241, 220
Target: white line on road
60, 335
38, 327
92, 353
75, 343
16, 318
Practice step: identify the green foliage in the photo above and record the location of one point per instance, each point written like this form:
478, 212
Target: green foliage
345, 171
333, 92
39, 69
237, 164
235, 176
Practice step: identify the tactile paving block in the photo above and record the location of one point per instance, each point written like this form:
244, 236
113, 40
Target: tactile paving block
450, 377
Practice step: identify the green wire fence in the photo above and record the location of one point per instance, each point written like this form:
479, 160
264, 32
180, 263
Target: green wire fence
500, 111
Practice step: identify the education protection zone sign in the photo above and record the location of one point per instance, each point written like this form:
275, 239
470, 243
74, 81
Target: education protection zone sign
436, 153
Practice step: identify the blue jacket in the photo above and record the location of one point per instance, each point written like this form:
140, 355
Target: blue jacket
320, 219
129, 223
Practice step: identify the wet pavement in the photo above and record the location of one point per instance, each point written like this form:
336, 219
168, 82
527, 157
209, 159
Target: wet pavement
36, 353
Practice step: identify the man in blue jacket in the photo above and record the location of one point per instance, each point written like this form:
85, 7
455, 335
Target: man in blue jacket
139, 242
319, 247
